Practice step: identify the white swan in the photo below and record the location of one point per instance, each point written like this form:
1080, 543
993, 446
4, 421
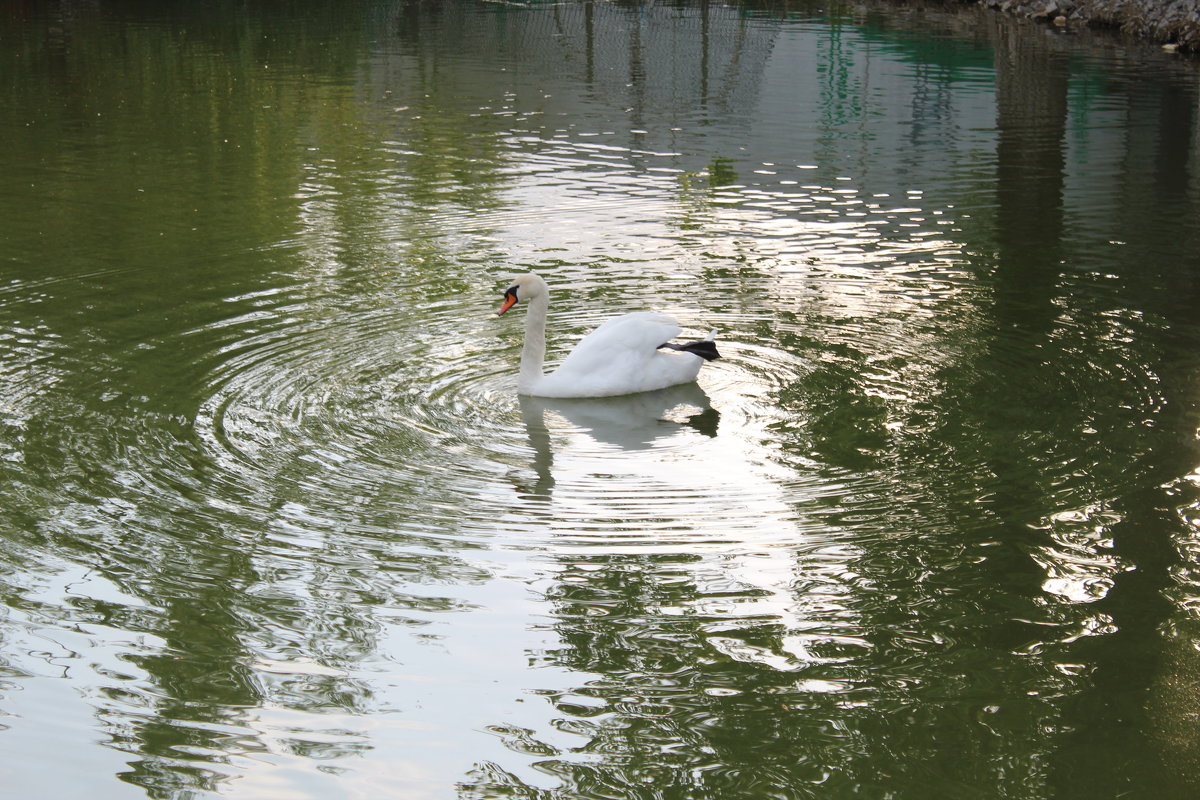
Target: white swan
623, 356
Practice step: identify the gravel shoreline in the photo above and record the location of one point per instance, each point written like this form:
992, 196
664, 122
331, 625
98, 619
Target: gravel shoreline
1175, 24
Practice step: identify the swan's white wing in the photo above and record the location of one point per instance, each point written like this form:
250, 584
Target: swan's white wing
628, 337
622, 357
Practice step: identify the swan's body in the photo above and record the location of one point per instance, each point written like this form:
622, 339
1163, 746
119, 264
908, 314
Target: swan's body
622, 356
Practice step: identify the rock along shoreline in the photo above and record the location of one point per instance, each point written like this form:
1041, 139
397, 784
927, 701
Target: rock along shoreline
1175, 24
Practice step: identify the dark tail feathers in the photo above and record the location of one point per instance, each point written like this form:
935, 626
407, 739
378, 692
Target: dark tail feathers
705, 348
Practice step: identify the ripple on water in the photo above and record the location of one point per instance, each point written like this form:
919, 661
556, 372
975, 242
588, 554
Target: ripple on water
318, 414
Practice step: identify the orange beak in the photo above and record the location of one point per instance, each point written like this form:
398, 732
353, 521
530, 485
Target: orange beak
510, 300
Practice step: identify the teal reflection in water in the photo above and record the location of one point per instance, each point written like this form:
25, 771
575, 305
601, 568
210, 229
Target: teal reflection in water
277, 524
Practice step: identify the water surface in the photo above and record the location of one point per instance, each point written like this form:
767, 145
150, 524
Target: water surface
276, 523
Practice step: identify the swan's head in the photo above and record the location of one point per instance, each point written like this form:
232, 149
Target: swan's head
523, 287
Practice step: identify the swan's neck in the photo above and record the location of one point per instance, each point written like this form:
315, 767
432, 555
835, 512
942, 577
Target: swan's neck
533, 354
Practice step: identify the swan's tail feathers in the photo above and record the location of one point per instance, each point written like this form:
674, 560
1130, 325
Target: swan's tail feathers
705, 348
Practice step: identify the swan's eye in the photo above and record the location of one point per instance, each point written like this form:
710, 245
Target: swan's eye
512, 292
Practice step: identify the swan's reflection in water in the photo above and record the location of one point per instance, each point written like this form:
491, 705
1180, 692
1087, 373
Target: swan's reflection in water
646, 480
628, 422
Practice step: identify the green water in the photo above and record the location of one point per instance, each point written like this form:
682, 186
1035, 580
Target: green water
276, 524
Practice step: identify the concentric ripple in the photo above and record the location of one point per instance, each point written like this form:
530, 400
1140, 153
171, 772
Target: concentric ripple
316, 405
